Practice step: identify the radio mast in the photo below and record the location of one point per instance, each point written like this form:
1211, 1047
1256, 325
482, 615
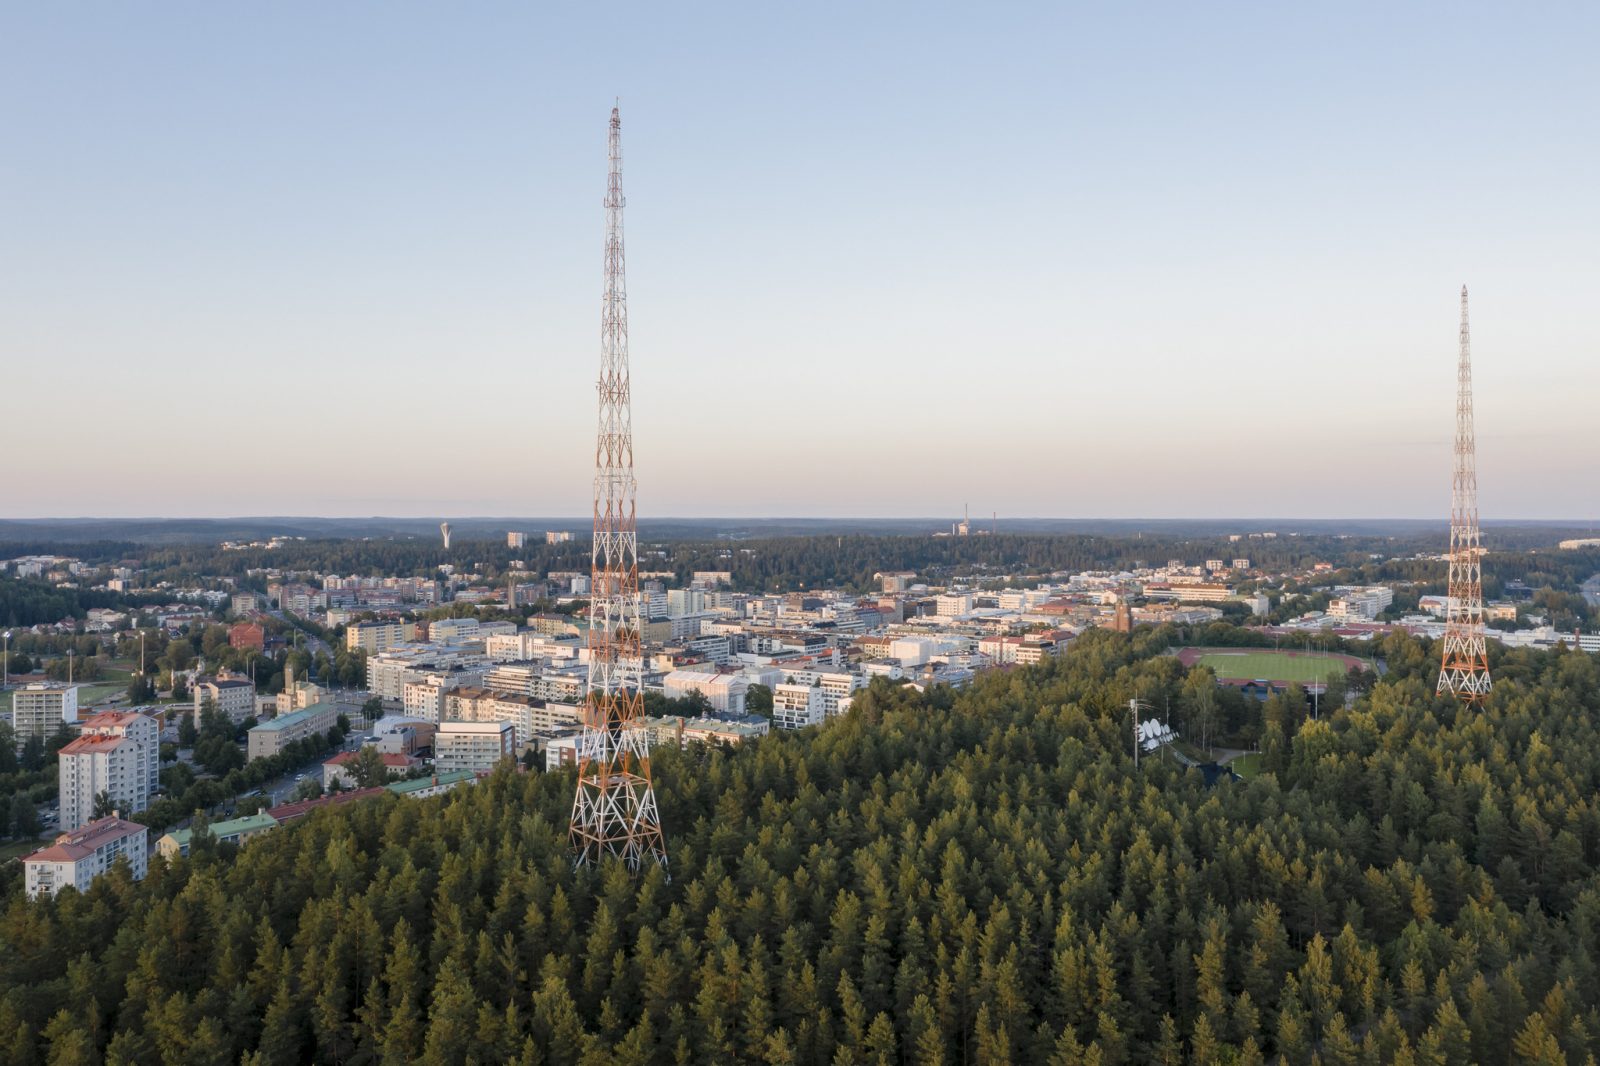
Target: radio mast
614, 812
1465, 669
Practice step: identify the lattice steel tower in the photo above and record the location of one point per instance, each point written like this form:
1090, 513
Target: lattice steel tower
614, 812
1465, 669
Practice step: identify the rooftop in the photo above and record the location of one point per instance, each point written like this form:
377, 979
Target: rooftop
81, 843
284, 721
230, 827
401, 788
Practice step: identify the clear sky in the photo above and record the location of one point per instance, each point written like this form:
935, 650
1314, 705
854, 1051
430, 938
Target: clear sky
1075, 260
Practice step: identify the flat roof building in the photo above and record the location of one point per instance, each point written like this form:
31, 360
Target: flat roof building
39, 708
271, 737
475, 746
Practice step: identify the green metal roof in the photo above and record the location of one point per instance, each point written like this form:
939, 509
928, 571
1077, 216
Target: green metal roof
284, 721
418, 784
250, 823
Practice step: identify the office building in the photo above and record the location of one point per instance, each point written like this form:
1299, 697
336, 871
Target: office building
78, 857
118, 754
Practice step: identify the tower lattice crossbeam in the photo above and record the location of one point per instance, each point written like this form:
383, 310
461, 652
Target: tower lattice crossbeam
1464, 671
614, 811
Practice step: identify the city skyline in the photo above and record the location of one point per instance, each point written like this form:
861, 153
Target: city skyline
928, 290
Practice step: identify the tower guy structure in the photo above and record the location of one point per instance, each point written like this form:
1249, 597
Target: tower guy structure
1465, 669
614, 812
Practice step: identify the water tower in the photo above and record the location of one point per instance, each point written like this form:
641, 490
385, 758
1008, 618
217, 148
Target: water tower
444, 528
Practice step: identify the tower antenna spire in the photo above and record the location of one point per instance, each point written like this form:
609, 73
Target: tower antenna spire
614, 811
1464, 671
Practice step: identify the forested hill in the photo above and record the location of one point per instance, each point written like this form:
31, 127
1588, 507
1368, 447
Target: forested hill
981, 878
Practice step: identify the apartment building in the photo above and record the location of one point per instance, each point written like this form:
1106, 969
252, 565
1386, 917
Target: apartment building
726, 693
375, 637
229, 831
526, 714
453, 630
78, 857
795, 706
232, 697
387, 673
118, 754
475, 746
270, 738
39, 708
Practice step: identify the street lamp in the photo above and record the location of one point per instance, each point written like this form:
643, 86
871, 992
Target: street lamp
5, 666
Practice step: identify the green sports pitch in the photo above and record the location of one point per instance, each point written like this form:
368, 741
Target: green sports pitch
1302, 667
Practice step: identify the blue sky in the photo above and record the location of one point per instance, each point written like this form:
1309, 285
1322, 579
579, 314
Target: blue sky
1066, 260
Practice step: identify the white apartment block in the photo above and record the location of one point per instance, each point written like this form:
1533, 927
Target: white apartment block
836, 686
452, 630
516, 540
388, 673
525, 714
475, 746
526, 644
424, 697
796, 706
375, 637
118, 753
681, 602
724, 692
1360, 601
40, 708
954, 604
77, 858
232, 697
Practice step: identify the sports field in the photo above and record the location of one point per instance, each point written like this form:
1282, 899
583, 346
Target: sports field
1255, 664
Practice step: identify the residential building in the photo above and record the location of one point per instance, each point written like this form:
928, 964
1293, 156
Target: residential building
472, 745
247, 636
231, 831
375, 637
118, 753
436, 785
39, 708
683, 731
557, 536
336, 771
270, 738
453, 630
516, 540
232, 697
78, 857
796, 706
954, 604
725, 693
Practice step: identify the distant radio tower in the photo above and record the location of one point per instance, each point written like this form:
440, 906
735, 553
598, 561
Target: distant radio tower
444, 528
614, 812
1465, 669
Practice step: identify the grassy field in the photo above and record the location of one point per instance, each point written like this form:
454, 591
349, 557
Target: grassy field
1247, 765
1274, 666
